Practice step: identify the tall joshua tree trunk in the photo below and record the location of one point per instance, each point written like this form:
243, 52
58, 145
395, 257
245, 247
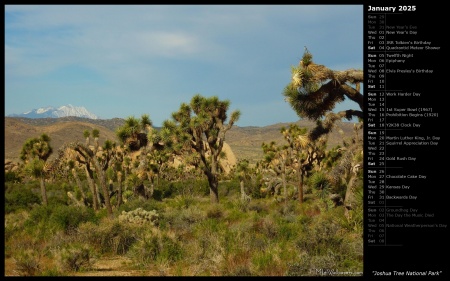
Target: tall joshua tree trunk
92, 187
43, 191
103, 185
80, 186
119, 192
213, 188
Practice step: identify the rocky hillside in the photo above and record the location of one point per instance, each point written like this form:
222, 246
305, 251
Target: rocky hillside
245, 142
17, 132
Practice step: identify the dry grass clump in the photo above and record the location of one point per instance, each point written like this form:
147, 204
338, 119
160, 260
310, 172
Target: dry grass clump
74, 257
27, 262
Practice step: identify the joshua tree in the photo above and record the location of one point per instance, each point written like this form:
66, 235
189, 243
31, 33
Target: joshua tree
86, 163
243, 173
315, 90
348, 169
91, 158
305, 153
133, 134
200, 127
34, 154
86, 135
278, 159
74, 171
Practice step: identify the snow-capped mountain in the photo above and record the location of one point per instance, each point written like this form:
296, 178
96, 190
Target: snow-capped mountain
62, 111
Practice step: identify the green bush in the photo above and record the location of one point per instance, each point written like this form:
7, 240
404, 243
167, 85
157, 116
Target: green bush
214, 212
229, 188
20, 198
155, 246
263, 262
69, 217
167, 189
12, 177
39, 214
110, 236
164, 190
258, 207
322, 236
74, 257
14, 224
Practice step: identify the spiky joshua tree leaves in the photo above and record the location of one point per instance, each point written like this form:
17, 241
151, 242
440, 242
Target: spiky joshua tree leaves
315, 90
133, 133
199, 127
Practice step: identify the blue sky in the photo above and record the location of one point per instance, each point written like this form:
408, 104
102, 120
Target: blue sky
129, 60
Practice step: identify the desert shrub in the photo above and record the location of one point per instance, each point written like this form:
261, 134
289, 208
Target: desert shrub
57, 199
234, 212
193, 214
258, 207
239, 246
23, 241
101, 214
209, 243
297, 269
266, 226
240, 205
54, 271
229, 188
155, 246
14, 223
199, 187
259, 242
181, 221
127, 195
322, 235
265, 263
254, 187
193, 187
69, 217
164, 190
57, 193
157, 194
74, 257
171, 249
287, 230
38, 214
20, 198
214, 212
239, 270
27, 262
182, 201
288, 208
13, 177
109, 236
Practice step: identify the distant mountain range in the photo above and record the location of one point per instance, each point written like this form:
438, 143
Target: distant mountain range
53, 112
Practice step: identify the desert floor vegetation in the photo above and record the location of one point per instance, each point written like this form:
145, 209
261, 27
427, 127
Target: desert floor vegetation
182, 234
